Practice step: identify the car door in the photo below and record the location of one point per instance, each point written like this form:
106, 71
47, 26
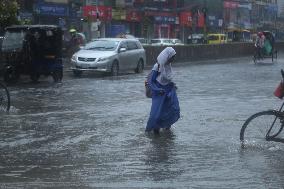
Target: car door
132, 55
123, 55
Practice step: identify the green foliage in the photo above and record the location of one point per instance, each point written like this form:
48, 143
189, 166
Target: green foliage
8, 13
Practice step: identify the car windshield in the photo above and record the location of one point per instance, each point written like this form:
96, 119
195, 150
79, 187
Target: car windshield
102, 45
156, 41
142, 40
213, 37
13, 40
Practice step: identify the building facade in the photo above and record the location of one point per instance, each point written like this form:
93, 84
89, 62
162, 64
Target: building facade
154, 18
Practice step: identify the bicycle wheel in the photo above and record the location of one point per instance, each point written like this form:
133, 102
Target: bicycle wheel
254, 58
4, 98
261, 127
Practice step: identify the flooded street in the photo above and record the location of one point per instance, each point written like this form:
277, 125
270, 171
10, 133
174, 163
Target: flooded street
89, 132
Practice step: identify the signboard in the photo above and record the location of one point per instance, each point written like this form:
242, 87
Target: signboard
118, 14
234, 5
231, 4
201, 20
116, 29
133, 16
104, 12
52, 9
57, 1
165, 19
185, 19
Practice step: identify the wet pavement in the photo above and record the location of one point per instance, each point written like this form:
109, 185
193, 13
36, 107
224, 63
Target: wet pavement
88, 132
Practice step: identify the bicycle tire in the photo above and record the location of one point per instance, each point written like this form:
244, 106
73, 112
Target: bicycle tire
254, 58
4, 98
256, 127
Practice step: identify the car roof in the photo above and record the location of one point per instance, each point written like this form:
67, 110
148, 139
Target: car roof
216, 34
32, 26
116, 39
161, 38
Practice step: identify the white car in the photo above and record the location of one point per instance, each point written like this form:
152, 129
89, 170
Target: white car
109, 55
176, 41
161, 42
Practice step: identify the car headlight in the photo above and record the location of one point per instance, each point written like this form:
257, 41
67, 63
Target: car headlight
74, 58
103, 59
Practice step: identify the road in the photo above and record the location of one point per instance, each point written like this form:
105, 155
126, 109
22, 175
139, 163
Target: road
88, 132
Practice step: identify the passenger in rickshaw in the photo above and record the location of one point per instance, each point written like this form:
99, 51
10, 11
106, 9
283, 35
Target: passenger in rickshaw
259, 44
270, 38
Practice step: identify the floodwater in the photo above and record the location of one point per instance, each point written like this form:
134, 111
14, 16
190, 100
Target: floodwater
88, 132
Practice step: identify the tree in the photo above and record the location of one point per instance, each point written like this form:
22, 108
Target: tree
8, 13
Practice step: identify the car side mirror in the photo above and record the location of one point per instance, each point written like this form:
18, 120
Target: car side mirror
122, 49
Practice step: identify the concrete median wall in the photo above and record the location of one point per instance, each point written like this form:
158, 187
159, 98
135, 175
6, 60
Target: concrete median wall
189, 53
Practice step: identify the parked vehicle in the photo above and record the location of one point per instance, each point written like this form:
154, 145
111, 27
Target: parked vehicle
32, 50
161, 42
143, 41
111, 55
176, 41
216, 38
238, 35
196, 39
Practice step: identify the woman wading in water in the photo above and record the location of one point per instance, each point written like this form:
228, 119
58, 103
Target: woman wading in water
165, 109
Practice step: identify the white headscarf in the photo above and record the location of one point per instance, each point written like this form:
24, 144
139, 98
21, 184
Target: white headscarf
165, 76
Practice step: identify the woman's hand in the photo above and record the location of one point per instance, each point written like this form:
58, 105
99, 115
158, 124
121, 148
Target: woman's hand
162, 92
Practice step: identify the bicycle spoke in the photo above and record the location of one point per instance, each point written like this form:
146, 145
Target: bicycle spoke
4, 99
255, 129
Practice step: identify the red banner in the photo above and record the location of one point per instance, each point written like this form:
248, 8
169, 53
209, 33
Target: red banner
185, 19
157, 13
201, 20
105, 13
133, 16
231, 4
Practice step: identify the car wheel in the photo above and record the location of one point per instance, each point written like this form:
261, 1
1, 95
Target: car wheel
57, 75
77, 73
140, 66
114, 69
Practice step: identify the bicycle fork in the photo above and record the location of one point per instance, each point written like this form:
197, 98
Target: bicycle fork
268, 136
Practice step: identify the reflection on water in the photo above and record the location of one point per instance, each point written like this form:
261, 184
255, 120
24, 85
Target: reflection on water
89, 132
160, 156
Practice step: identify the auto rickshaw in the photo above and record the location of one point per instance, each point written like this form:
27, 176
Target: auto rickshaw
32, 50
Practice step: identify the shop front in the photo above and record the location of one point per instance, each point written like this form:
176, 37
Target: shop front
161, 24
50, 13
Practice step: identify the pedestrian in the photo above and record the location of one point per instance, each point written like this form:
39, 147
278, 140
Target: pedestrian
74, 43
259, 44
165, 109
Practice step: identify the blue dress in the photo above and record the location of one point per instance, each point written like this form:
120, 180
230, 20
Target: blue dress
165, 110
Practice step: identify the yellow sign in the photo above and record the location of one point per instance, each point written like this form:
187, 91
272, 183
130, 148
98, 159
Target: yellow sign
118, 14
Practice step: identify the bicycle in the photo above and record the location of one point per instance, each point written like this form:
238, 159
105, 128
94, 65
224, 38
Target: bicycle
4, 98
265, 125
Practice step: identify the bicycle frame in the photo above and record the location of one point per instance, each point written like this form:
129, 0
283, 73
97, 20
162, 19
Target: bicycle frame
280, 113
268, 137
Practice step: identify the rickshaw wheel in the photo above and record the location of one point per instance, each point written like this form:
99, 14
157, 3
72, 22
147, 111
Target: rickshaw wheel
11, 77
57, 75
34, 77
